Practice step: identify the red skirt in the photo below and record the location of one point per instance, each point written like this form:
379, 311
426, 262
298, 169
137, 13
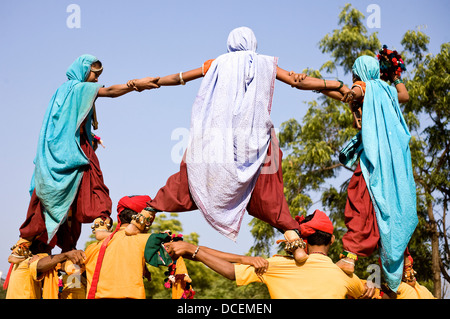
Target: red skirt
362, 230
92, 201
267, 202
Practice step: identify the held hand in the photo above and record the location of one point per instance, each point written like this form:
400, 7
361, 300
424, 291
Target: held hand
369, 292
180, 248
297, 77
147, 83
76, 256
344, 89
260, 264
349, 95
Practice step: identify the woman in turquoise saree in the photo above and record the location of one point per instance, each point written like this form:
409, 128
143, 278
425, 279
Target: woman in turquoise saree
67, 187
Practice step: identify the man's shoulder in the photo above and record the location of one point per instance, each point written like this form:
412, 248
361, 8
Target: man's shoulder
92, 248
281, 258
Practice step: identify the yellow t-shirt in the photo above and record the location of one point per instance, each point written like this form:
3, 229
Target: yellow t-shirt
74, 285
122, 267
405, 291
317, 278
23, 281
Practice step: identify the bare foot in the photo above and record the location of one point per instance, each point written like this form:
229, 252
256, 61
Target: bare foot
101, 234
101, 228
131, 230
300, 254
409, 272
347, 265
15, 260
20, 251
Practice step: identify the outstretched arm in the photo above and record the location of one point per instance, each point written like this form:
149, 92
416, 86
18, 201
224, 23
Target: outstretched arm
307, 82
49, 262
187, 250
180, 78
184, 77
260, 264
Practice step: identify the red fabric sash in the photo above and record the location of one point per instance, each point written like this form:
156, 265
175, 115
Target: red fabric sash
98, 265
5, 284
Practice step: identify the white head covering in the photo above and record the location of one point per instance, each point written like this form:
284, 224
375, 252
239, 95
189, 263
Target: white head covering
242, 39
230, 131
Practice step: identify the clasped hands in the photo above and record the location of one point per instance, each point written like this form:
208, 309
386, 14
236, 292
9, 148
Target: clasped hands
347, 94
146, 83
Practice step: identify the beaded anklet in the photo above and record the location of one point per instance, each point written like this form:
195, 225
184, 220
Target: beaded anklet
348, 255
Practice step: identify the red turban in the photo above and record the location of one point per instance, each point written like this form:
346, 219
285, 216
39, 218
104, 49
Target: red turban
320, 221
136, 203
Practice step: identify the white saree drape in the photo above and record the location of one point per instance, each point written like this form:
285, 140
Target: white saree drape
230, 131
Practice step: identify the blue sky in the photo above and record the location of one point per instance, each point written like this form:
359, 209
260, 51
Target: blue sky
154, 38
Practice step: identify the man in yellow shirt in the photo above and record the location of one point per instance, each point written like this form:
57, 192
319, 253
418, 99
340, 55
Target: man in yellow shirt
115, 265
317, 277
32, 278
61, 275
22, 282
406, 291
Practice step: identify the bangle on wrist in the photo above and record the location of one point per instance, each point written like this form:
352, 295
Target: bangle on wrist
195, 252
181, 79
399, 80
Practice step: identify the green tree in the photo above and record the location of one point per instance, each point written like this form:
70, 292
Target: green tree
428, 86
312, 146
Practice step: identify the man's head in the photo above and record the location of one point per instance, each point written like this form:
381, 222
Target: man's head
129, 206
126, 216
317, 229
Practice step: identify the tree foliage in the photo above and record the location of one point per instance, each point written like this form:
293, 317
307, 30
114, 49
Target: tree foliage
428, 86
312, 146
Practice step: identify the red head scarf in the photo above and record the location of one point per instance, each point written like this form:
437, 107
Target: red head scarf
136, 203
320, 221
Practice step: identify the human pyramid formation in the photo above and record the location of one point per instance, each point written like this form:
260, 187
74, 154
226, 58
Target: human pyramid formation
234, 102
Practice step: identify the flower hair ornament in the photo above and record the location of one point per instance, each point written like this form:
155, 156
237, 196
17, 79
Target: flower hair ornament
391, 63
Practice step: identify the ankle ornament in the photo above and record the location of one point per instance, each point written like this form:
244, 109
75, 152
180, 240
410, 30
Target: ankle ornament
143, 220
347, 254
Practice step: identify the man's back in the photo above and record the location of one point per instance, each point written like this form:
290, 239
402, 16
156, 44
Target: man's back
23, 283
122, 267
317, 278
405, 291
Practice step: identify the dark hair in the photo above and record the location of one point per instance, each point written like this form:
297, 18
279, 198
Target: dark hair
356, 77
319, 238
97, 62
125, 215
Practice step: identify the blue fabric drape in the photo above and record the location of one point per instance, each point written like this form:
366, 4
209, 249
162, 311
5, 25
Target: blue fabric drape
386, 166
230, 131
59, 159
